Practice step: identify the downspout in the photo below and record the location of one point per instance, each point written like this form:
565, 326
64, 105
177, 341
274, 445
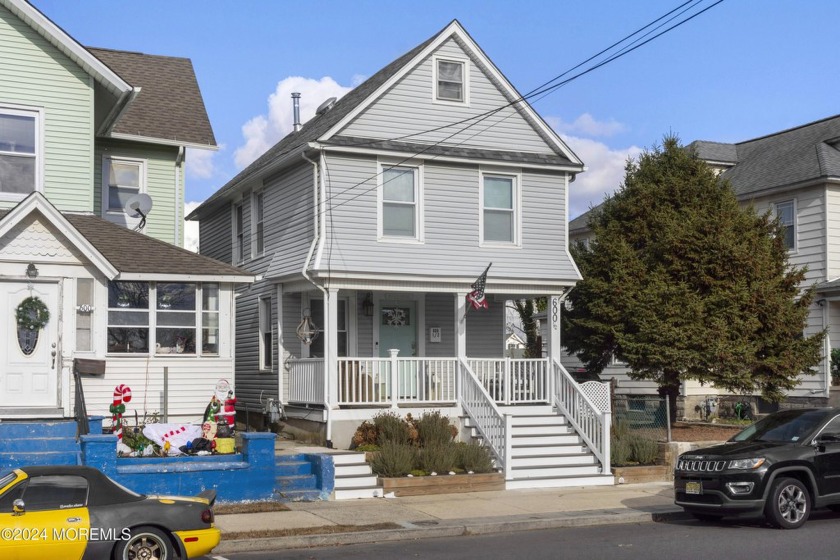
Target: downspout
315, 242
179, 198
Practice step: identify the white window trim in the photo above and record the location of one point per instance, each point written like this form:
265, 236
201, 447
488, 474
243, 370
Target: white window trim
792, 201
419, 233
106, 167
265, 321
237, 256
466, 77
223, 350
254, 244
517, 207
38, 113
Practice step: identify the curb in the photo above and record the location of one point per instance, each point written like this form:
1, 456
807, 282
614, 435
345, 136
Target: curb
452, 529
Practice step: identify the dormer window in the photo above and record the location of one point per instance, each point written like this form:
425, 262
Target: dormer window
451, 81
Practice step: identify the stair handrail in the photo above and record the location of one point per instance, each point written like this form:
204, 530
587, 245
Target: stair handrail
590, 421
488, 419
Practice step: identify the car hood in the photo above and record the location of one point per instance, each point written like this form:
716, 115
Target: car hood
738, 448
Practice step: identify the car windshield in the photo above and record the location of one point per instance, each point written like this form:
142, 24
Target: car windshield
6, 479
788, 426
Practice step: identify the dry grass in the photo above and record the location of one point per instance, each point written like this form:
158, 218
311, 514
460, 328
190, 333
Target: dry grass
326, 530
249, 507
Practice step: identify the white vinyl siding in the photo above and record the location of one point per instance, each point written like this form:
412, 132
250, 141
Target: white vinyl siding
36, 75
409, 108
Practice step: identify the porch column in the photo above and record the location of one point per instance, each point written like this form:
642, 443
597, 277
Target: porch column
460, 336
281, 346
553, 311
331, 346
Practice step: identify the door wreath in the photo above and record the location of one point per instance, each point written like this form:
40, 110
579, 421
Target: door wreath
32, 314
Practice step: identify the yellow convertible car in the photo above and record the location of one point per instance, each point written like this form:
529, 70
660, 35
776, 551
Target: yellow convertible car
78, 513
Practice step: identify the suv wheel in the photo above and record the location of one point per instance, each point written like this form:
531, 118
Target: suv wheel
788, 505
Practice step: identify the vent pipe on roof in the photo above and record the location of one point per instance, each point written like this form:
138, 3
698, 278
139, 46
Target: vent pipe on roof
296, 111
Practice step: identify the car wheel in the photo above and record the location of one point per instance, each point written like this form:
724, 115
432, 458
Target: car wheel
145, 543
788, 505
708, 517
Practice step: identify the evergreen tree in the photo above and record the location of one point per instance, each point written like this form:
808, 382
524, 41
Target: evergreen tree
681, 282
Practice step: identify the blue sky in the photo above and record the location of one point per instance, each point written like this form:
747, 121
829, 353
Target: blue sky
743, 69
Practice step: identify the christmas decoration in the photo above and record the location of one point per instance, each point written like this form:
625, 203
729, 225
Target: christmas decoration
32, 314
122, 394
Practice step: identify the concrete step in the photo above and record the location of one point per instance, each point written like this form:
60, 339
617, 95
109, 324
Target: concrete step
560, 482
357, 493
292, 468
344, 482
298, 495
26, 430
349, 458
287, 483
353, 469
556, 471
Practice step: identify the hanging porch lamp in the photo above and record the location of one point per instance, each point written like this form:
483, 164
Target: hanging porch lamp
367, 305
307, 331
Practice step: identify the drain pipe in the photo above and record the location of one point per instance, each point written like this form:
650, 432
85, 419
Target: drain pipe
315, 241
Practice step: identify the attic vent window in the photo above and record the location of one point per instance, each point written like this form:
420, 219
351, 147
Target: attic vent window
450, 80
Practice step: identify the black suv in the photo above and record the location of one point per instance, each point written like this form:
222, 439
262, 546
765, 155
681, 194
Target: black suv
782, 466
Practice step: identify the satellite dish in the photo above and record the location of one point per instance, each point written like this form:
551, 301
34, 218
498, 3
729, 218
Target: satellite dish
138, 206
326, 106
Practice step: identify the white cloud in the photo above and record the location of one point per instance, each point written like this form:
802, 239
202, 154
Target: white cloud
604, 174
586, 125
190, 228
263, 131
200, 163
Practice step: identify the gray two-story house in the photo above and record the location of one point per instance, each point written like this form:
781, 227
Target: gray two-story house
367, 227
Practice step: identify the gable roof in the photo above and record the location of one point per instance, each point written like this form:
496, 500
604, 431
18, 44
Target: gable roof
123, 254
323, 127
169, 106
714, 152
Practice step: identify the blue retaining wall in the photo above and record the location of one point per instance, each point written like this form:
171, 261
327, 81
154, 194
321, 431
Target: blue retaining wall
324, 469
237, 477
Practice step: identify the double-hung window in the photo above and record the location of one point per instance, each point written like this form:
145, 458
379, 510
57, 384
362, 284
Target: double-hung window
163, 318
451, 83
786, 211
266, 334
20, 141
238, 233
316, 349
499, 209
400, 211
123, 178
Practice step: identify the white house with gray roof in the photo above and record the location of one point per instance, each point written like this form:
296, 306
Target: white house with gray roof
367, 227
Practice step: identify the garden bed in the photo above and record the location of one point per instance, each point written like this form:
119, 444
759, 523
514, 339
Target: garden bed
442, 484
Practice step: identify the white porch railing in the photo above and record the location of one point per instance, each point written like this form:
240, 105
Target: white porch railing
513, 381
490, 422
592, 421
306, 381
372, 381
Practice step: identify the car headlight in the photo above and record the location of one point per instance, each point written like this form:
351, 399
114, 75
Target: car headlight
746, 464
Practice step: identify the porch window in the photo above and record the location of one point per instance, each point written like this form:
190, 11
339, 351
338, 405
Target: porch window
84, 314
399, 207
499, 209
450, 80
170, 317
123, 178
316, 349
128, 317
259, 241
238, 234
786, 211
19, 151
266, 334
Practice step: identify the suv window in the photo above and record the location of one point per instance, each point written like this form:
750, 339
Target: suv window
55, 492
784, 427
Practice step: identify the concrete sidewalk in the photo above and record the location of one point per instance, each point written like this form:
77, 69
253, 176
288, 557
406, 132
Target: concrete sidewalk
453, 514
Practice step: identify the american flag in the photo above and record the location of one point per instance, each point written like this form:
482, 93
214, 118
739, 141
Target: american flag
476, 296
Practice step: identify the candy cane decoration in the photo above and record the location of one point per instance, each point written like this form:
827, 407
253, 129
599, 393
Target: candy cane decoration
122, 394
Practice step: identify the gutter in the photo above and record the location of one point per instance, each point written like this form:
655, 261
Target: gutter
122, 103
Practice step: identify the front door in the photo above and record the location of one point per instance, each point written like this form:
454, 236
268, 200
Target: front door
398, 331
28, 365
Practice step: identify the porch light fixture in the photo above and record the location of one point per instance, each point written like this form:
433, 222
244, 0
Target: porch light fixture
367, 305
31, 271
307, 331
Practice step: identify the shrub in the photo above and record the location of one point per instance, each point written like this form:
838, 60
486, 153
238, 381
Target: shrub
439, 458
434, 429
644, 450
393, 459
475, 457
620, 452
365, 435
620, 429
390, 428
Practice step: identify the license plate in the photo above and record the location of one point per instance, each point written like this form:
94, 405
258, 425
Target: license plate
693, 487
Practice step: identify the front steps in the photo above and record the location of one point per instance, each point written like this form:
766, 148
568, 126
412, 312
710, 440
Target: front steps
38, 443
294, 479
353, 477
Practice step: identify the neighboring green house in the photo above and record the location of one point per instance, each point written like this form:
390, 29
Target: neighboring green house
794, 174
82, 131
